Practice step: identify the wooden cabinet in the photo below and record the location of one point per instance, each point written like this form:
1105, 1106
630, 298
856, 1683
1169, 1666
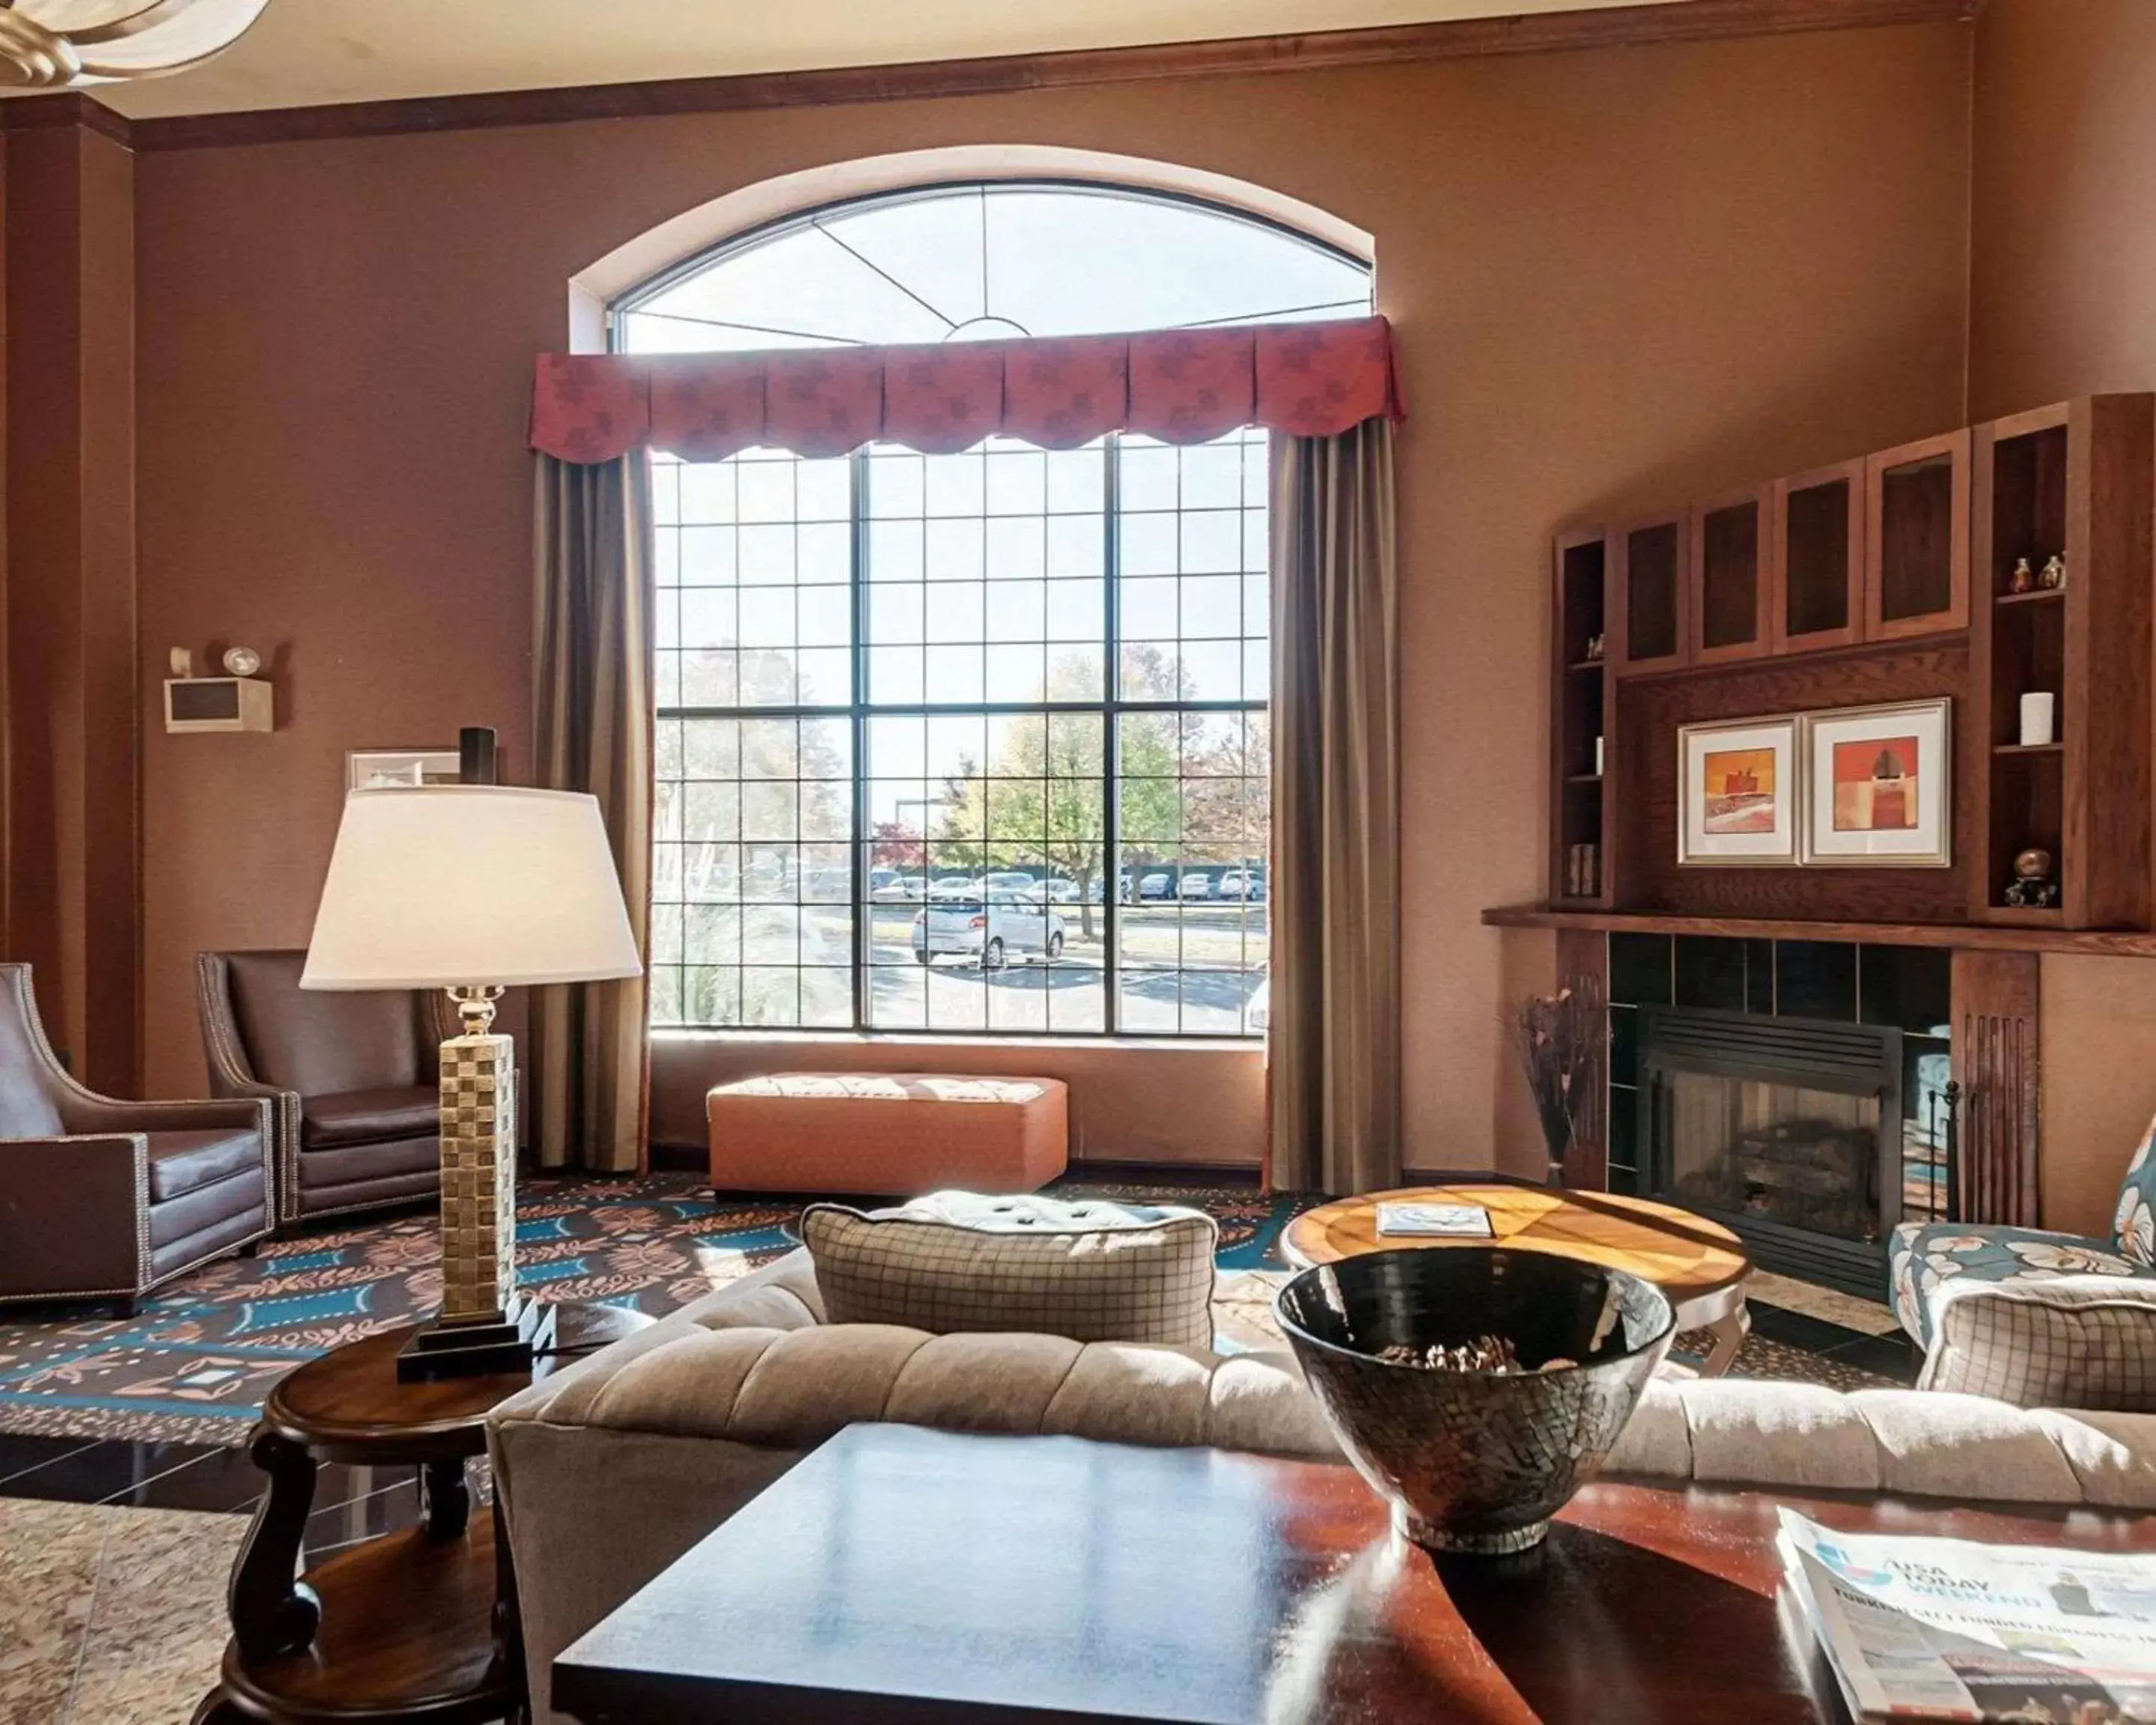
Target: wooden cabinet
1916, 538
1729, 594
1815, 571
2072, 481
1651, 630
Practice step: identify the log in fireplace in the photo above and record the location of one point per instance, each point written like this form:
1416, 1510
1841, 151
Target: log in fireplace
1786, 1130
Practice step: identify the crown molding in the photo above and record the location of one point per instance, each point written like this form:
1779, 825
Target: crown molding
66, 108
1463, 38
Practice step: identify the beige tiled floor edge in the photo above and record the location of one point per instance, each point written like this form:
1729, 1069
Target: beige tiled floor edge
109, 1614
1830, 1304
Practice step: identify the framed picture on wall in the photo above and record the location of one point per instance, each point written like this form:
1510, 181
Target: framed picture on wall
1879, 786
1737, 792
386, 769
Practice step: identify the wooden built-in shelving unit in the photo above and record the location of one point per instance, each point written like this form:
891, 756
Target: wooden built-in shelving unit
1880, 578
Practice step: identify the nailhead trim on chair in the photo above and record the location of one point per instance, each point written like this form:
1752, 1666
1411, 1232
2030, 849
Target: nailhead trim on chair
232, 1075
35, 1026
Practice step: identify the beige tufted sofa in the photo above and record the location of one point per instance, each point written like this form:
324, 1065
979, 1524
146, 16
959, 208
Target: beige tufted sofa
610, 1470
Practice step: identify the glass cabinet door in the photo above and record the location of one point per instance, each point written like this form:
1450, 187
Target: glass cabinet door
1816, 581
1649, 561
1730, 613
1916, 564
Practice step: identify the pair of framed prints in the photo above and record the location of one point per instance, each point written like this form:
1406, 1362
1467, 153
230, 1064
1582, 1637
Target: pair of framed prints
1864, 786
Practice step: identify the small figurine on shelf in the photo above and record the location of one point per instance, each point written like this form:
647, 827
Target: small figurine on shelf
1594, 649
2023, 578
2053, 575
2034, 888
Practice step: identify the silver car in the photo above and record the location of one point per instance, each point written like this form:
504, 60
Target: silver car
988, 931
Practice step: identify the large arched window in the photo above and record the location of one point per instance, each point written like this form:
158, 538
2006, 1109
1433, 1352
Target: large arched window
974, 743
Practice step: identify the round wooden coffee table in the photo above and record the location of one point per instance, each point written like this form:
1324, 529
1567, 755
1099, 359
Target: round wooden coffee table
1699, 1264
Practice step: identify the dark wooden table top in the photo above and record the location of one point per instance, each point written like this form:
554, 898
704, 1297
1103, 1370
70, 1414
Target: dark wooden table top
906, 1577
348, 1404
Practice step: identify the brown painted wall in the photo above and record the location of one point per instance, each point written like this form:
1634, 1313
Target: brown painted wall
1619, 278
2063, 281
71, 886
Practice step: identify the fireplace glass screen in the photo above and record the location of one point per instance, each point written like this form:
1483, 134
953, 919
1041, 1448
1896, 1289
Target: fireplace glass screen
1774, 1150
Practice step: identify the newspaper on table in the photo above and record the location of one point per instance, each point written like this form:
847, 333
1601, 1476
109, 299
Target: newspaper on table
1947, 1628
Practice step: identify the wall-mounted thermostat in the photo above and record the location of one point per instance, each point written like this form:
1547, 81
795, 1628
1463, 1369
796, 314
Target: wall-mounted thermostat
218, 704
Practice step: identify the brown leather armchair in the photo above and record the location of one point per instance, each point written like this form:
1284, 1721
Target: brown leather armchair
354, 1079
102, 1199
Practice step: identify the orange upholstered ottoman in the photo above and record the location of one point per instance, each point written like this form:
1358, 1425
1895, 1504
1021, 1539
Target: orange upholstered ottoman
899, 1134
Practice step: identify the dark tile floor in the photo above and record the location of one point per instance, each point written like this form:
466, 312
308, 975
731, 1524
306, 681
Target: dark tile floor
1894, 1356
351, 1503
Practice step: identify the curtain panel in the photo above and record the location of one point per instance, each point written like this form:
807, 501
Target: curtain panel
1181, 386
592, 730
1335, 1076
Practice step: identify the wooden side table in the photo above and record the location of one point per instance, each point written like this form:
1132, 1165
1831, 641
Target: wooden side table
420, 1625
1699, 1264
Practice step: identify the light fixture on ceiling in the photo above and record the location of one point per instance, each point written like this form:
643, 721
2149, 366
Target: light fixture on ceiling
48, 44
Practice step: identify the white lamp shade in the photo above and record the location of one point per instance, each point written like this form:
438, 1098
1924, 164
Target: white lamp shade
469, 885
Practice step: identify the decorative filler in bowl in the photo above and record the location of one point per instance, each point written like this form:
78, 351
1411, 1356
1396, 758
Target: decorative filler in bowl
1475, 1388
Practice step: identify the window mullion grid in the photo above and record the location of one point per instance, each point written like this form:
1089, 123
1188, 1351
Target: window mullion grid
863, 913
1112, 742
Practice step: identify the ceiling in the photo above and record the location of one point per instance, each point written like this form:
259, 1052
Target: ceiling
306, 52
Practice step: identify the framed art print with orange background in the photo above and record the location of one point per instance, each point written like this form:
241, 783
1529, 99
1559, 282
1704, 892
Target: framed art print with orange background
1737, 793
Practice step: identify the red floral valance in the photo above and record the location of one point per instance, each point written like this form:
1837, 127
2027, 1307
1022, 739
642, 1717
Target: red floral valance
1181, 386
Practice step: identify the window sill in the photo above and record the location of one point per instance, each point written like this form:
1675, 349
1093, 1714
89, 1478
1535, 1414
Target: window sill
1254, 1046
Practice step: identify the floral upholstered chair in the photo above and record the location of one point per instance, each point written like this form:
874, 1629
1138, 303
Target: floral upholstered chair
1925, 1255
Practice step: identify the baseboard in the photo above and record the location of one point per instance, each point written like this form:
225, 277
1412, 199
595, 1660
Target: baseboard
682, 1158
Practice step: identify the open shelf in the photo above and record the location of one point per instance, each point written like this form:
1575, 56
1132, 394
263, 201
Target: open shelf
2071, 481
1583, 705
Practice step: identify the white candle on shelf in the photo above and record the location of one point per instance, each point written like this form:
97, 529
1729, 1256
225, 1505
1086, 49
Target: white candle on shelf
2036, 715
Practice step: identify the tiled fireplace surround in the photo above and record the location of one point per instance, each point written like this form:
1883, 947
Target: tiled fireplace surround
1789, 985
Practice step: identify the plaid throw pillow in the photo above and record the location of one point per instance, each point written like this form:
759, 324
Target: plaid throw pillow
956, 1262
2067, 1342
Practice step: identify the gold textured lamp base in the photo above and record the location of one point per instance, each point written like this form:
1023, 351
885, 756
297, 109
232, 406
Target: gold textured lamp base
483, 1325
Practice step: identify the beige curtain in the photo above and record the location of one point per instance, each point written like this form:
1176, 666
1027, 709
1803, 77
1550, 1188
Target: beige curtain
588, 1048
1335, 888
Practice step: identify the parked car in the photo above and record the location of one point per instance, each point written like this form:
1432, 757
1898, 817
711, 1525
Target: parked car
988, 931
1098, 889
1194, 885
890, 886
1156, 885
1007, 884
1240, 883
1258, 1009
1055, 890
949, 888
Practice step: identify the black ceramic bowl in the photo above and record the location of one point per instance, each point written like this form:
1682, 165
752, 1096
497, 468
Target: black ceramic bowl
1476, 1460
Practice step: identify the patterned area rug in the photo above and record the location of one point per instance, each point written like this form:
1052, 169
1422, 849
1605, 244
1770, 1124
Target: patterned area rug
196, 1364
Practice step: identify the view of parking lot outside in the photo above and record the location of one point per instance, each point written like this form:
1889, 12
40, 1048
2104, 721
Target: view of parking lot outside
974, 742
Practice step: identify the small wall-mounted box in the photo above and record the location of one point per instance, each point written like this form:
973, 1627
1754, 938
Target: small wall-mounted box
218, 704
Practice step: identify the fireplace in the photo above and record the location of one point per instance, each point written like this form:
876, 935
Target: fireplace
1786, 1130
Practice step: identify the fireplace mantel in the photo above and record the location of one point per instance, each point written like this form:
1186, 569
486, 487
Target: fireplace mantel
1964, 936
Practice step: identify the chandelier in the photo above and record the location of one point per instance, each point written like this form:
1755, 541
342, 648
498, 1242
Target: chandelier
45, 44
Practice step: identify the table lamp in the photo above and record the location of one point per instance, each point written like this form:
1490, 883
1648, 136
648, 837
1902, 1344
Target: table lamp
472, 888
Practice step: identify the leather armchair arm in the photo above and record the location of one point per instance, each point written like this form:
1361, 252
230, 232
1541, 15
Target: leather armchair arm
75, 1215
109, 1114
